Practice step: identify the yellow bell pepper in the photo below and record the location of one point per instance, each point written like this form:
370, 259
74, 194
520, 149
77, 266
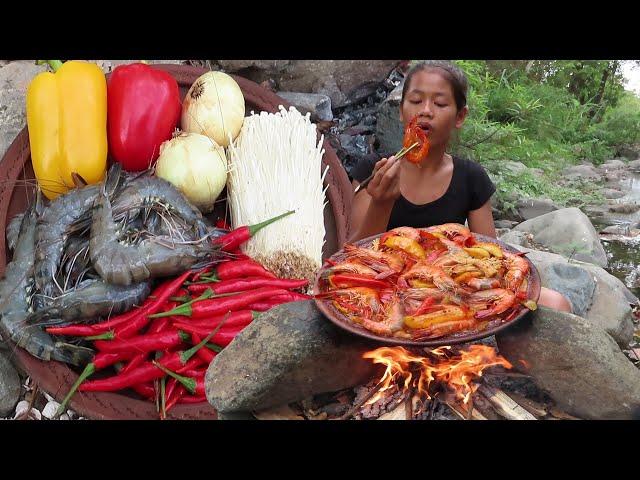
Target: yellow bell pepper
406, 244
67, 121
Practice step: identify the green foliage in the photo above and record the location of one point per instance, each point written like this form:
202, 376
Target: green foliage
547, 115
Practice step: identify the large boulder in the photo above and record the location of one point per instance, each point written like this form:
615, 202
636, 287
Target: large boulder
611, 193
335, 78
287, 354
389, 129
614, 164
634, 166
581, 172
577, 363
629, 151
529, 208
568, 232
606, 307
9, 386
514, 168
317, 105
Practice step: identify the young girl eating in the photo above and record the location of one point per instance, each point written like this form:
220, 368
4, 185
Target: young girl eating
442, 188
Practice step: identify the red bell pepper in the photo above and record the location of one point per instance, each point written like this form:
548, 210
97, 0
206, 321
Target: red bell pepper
143, 110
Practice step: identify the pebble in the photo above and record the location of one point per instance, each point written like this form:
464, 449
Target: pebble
21, 408
64, 416
50, 409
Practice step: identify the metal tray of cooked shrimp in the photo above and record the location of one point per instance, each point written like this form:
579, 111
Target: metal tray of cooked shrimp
327, 307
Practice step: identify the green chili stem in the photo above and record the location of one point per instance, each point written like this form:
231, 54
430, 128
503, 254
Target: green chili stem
189, 383
185, 308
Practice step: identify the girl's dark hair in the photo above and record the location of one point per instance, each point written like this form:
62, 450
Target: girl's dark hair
451, 72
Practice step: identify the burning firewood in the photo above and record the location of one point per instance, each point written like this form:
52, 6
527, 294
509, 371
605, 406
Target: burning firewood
504, 404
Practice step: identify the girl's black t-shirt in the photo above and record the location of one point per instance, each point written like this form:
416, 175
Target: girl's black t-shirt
470, 188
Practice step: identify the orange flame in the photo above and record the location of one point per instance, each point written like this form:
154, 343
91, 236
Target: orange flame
457, 371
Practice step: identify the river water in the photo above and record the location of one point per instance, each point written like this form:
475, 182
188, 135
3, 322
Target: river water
623, 252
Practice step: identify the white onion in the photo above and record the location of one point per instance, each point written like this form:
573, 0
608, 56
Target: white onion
196, 166
214, 106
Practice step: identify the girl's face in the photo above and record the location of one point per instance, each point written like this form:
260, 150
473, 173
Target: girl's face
430, 98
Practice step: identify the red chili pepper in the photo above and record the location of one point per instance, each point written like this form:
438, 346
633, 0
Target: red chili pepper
217, 306
237, 237
240, 318
347, 280
425, 305
144, 108
134, 363
221, 223
204, 353
249, 283
222, 338
103, 360
151, 305
145, 372
144, 343
145, 390
178, 393
274, 302
136, 324
239, 269
195, 362
262, 306
170, 387
195, 386
195, 372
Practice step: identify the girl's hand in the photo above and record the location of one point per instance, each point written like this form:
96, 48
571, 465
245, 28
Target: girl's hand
385, 184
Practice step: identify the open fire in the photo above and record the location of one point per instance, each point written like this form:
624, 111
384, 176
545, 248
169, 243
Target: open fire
446, 372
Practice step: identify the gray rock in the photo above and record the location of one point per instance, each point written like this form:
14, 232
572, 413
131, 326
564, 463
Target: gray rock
335, 78
389, 129
575, 362
534, 207
609, 308
14, 80
580, 172
634, 166
109, 65
319, 106
9, 387
329, 87
624, 208
287, 354
595, 210
568, 232
620, 229
631, 298
614, 164
516, 237
514, 168
505, 223
575, 283
611, 193
630, 151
